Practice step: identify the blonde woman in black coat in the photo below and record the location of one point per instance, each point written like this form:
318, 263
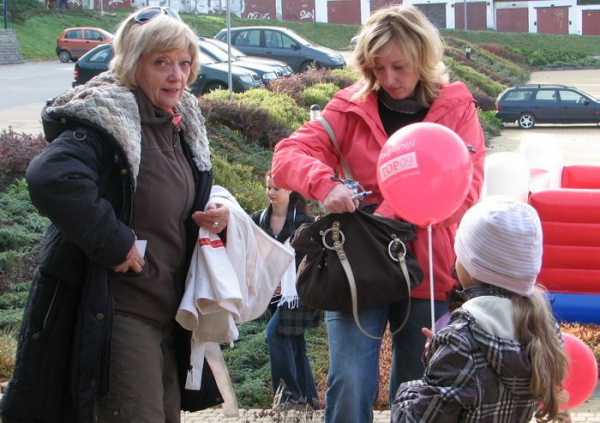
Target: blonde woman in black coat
128, 159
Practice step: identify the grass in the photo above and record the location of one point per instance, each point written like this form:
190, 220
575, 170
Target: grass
587, 44
37, 34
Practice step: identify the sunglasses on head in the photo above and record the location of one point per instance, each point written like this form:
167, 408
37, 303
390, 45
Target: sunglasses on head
152, 12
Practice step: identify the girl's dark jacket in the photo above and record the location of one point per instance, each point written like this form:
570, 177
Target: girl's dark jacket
84, 182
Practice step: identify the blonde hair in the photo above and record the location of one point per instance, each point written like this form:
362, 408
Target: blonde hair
419, 39
162, 34
537, 331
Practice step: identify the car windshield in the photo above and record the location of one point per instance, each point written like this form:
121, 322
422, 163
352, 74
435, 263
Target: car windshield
215, 52
223, 46
205, 59
298, 38
101, 56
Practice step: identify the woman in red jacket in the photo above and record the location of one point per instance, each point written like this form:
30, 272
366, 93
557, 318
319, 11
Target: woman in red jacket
399, 54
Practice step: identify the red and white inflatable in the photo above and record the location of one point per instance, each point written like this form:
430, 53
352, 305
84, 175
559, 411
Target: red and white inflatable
567, 199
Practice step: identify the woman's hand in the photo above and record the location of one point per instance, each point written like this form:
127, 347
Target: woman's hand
214, 219
133, 263
339, 200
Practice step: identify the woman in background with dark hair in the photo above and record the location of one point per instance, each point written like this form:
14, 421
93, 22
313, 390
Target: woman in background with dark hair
291, 373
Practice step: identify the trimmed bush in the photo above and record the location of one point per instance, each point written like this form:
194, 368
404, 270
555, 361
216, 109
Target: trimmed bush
295, 85
16, 151
261, 116
319, 94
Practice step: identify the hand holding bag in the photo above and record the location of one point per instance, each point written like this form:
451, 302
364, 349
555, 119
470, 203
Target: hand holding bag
355, 260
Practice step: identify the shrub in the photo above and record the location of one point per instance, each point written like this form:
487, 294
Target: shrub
235, 147
295, 85
319, 94
253, 124
491, 125
259, 115
485, 102
238, 180
283, 109
15, 297
16, 151
473, 79
21, 230
504, 53
588, 333
543, 57
249, 366
19, 10
8, 348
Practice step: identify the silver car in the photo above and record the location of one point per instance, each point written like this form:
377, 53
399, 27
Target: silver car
279, 43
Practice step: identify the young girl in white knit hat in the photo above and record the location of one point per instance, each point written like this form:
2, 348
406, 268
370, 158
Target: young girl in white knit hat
501, 358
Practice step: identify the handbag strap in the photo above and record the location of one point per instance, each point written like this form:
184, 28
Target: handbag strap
333, 139
338, 246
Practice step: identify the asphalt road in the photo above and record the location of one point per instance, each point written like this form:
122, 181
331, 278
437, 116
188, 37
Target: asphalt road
33, 82
26, 87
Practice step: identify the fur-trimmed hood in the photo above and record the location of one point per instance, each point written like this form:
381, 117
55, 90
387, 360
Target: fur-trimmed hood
105, 105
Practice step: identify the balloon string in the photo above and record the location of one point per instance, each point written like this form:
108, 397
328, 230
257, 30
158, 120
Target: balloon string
431, 290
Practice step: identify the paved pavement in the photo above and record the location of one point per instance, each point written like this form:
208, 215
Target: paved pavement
588, 412
580, 145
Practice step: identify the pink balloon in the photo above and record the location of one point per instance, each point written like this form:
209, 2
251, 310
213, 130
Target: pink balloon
424, 171
582, 372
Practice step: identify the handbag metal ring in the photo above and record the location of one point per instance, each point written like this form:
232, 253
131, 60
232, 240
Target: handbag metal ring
324, 235
393, 246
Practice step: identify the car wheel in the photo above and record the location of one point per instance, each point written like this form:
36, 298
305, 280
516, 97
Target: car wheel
526, 121
211, 86
64, 56
308, 66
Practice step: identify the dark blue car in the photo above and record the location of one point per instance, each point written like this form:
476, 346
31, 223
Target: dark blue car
545, 103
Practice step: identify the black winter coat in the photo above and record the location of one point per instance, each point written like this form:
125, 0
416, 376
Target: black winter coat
63, 354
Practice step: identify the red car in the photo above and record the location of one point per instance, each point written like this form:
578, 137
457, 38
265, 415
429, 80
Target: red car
72, 43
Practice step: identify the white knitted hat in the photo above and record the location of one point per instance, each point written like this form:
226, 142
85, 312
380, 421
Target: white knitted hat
499, 242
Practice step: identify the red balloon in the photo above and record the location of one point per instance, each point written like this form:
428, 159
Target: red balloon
424, 171
582, 372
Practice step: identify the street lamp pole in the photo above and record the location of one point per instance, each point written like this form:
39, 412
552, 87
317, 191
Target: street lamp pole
465, 13
229, 73
5, 9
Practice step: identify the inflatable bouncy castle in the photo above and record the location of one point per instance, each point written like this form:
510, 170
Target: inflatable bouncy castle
567, 199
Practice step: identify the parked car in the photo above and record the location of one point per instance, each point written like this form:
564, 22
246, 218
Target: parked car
212, 75
240, 55
353, 42
92, 63
267, 73
283, 44
72, 43
545, 103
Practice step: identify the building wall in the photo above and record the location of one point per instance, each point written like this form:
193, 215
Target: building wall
533, 16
